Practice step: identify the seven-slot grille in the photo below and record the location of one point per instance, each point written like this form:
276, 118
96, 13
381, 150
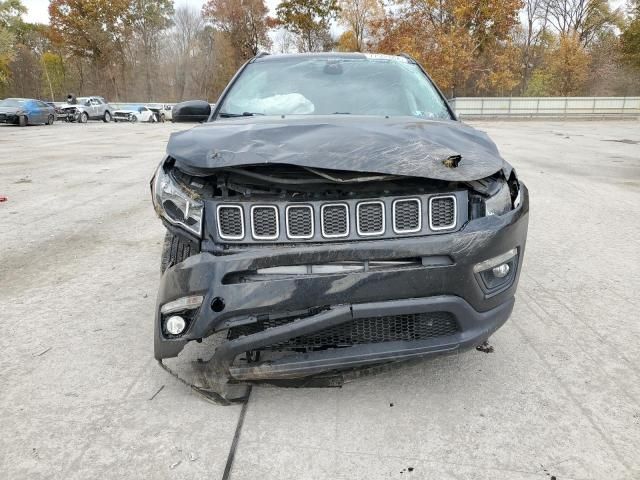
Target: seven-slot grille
344, 220
443, 212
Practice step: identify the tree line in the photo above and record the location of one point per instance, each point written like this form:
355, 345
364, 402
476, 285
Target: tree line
145, 50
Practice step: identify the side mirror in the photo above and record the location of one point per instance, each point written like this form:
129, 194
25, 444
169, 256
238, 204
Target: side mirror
191, 111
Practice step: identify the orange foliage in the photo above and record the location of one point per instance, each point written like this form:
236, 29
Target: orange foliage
465, 45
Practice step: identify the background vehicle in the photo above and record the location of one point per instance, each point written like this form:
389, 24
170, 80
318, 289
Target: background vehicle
163, 111
26, 111
135, 114
57, 106
88, 108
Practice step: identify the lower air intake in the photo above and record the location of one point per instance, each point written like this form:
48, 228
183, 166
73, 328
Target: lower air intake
389, 328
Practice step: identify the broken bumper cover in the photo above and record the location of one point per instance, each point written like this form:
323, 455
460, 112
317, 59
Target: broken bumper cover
432, 286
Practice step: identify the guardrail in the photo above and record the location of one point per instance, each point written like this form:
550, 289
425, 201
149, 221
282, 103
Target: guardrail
559, 107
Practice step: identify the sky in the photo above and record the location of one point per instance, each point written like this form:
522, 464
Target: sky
38, 9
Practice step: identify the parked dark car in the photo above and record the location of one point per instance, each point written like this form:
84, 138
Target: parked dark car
26, 111
332, 214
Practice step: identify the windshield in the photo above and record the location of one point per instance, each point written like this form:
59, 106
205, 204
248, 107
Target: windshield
11, 102
321, 86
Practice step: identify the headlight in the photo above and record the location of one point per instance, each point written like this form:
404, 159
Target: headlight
500, 203
174, 203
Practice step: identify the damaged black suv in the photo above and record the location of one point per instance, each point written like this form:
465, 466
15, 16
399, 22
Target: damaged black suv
332, 214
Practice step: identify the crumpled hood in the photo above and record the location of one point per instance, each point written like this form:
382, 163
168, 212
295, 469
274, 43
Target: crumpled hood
10, 110
396, 146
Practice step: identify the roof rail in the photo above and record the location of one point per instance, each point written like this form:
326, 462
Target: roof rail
407, 56
260, 55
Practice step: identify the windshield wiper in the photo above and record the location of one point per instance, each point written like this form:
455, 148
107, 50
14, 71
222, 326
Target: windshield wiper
243, 114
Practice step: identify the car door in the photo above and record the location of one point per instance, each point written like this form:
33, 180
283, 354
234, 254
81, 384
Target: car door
34, 112
145, 114
94, 109
100, 107
45, 110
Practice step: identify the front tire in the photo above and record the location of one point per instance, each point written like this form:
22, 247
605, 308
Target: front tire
107, 117
84, 117
134, 119
174, 250
22, 120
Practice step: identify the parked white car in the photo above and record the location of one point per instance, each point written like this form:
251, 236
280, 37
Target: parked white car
134, 114
162, 110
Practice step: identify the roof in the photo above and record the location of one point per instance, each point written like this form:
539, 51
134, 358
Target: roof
331, 55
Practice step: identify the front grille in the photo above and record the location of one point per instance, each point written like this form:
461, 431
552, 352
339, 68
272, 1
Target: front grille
335, 220
280, 220
407, 216
442, 212
299, 221
370, 218
230, 222
264, 222
389, 328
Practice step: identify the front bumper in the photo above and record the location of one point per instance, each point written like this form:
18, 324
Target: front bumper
430, 287
8, 118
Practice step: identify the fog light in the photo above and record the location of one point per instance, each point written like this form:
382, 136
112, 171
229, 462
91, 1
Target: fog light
501, 271
175, 325
497, 273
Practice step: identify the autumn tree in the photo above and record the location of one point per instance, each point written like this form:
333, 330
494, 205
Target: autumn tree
586, 18
244, 21
357, 16
97, 30
566, 71
53, 74
148, 18
347, 42
10, 12
630, 38
310, 20
466, 45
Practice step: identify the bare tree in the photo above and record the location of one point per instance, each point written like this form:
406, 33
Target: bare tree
188, 27
535, 24
587, 18
357, 16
